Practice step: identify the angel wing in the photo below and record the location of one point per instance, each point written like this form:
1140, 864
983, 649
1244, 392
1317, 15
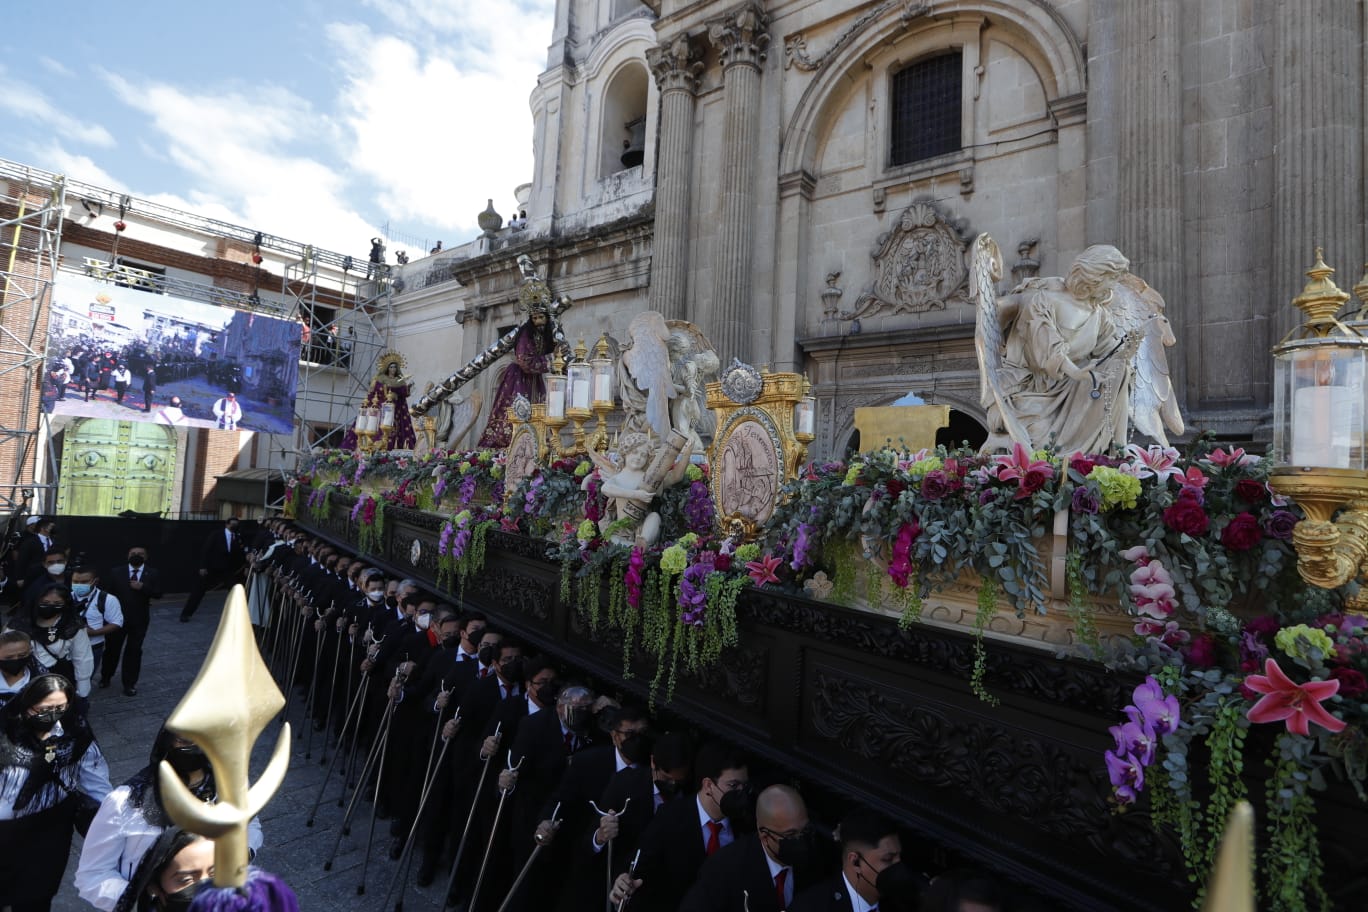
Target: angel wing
1153, 402
985, 269
648, 365
464, 414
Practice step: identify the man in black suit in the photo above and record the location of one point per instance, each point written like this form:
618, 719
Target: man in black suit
135, 585
220, 560
685, 833
762, 871
33, 545
873, 875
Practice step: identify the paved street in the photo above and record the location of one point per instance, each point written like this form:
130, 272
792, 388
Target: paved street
197, 396
125, 727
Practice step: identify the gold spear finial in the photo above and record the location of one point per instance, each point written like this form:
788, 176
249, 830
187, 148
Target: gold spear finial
1231, 887
225, 710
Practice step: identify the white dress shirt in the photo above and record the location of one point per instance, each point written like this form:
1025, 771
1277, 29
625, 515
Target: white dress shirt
77, 649
724, 838
774, 869
90, 611
857, 903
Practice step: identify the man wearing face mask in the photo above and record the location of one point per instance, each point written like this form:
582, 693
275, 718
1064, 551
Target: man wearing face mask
685, 833
220, 562
762, 871
33, 546
18, 664
101, 611
873, 877
132, 816
644, 790
53, 569
59, 636
136, 585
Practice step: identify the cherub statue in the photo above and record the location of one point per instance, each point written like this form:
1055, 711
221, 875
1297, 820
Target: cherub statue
693, 364
645, 380
631, 487
1072, 360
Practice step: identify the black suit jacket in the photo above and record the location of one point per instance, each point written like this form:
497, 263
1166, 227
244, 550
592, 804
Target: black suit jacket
672, 852
829, 895
216, 556
135, 602
737, 879
634, 783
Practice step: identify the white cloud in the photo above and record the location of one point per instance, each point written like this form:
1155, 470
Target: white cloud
439, 116
25, 101
244, 151
57, 158
55, 67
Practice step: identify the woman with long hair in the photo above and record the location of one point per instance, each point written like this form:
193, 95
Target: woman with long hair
51, 770
171, 872
58, 631
132, 817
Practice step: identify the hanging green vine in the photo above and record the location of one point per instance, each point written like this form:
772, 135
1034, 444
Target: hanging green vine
1080, 607
909, 600
987, 607
1292, 861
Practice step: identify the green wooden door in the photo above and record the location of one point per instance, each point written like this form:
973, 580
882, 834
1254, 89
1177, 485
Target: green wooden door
112, 466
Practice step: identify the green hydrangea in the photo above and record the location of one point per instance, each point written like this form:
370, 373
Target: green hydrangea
693, 473
1117, 488
1299, 639
485, 456
674, 559
587, 531
687, 540
747, 553
461, 518
853, 473
465, 467
922, 466
583, 469
496, 472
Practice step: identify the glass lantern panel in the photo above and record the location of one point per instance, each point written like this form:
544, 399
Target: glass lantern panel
555, 395
1319, 405
579, 388
603, 380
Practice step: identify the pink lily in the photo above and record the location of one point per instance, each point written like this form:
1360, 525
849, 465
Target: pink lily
1154, 461
1296, 704
1235, 457
1029, 474
762, 571
1193, 478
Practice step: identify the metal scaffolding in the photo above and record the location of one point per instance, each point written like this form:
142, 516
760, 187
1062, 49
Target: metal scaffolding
30, 243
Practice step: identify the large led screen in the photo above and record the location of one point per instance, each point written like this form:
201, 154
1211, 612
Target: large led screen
133, 354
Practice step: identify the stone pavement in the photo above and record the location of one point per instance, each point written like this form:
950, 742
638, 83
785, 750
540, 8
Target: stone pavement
125, 727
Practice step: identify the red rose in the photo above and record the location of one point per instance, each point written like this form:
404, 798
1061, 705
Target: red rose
1187, 517
1082, 465
1033, 481
722, 562
895, 486
1352, 681
1265, 626
1241, 533
1251, 492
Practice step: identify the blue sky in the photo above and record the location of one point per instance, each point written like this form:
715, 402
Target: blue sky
317, 121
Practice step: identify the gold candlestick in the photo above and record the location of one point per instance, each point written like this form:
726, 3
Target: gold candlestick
579, 375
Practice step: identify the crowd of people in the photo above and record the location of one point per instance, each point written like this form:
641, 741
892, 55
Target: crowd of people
509, 781
503, 778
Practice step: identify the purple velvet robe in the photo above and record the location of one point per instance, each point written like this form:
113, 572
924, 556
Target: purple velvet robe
531, 359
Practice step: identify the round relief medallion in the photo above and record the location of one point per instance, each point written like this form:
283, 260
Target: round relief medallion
748, 473
415, 552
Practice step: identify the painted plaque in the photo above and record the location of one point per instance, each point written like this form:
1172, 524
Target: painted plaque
749, 472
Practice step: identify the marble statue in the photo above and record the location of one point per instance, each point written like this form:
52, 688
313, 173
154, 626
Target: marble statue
663, 374
1076, 361
646, 469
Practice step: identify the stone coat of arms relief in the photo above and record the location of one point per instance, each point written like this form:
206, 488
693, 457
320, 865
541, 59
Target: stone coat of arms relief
918, 266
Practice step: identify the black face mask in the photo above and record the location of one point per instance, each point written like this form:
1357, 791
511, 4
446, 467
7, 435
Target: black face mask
800, 851
898, 888
44, 720
577, 717
512, 670
738, 806
391, 601
187, 760
451, 642
668, 788
182, 898
486, 654
13, 666
137, 560
635, 748
547, 693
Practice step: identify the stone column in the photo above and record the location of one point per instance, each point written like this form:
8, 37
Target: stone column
1149, 184
741, 40
1318, 134
676, 67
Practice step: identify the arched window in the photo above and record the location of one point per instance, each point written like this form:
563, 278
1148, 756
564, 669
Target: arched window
623, 140
926, 106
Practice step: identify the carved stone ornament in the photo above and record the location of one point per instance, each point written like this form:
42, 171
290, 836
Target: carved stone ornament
416, 552
742, 383
918, 266
675, 64
795, 45
740, 36
522, 408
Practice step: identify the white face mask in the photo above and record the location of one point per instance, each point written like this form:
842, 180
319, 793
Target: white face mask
423, 621
57, 569
377, 595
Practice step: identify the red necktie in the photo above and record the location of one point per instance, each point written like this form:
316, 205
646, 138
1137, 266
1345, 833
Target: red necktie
714, 836
484, 672
780, 880
569, 742
133, 577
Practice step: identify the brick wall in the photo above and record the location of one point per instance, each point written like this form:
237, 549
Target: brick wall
216, 452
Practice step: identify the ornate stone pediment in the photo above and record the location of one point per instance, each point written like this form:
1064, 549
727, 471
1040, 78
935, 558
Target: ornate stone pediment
918, 266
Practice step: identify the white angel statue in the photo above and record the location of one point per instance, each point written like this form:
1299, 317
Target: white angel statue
1074, 360
645, 382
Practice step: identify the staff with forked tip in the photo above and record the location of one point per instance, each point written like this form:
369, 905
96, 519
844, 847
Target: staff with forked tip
527, 865
485, 758
508, 781
401, 870
608, 852
352, 714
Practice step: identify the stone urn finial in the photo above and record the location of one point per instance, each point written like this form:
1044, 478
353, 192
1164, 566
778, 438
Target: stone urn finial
489, 220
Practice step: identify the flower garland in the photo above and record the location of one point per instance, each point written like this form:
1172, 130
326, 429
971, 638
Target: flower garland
368, 514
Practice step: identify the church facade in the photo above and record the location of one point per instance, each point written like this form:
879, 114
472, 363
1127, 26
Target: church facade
802, 179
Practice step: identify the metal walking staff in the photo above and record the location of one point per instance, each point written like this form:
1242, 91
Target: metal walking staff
346, 724
401, 870
527, 866
376, 749
631, 869
493, 833
470, 817
608, 849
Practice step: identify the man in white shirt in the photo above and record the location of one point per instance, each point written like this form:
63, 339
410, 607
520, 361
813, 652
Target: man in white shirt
102, 612
122, 378
873, 877
228, 412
